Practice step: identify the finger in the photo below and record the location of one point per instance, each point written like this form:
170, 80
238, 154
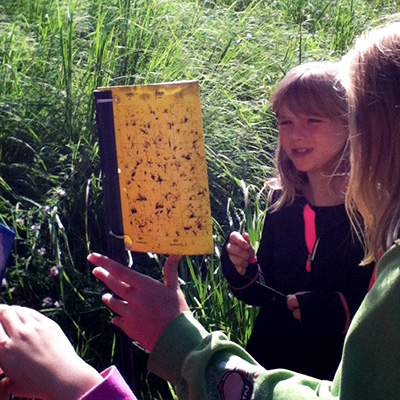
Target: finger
10, 320
5, 389
252, 256
171, 271
117, 286
237, 251
237, 255
239, 264
28, 316
118, 306
297, 314
117, 270
240, 246
292, 302
118, 322
3, 335
37, 316
241, 270
238, 239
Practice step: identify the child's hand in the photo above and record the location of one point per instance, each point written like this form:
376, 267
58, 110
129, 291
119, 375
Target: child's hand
38, 359
146, 306
293, 305
240, 251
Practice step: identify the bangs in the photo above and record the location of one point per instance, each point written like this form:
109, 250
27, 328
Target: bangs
300, 102
316, 98
312, 89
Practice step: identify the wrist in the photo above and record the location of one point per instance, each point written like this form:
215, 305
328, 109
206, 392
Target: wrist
73, 385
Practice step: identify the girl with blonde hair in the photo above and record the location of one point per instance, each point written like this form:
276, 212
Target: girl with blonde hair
308, 252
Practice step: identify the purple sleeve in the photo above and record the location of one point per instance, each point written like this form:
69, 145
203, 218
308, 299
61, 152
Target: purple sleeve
113, 387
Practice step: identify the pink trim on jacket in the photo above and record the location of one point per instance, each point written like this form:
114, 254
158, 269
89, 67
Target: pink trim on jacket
346, 311
310, 234
373, 277
113, 387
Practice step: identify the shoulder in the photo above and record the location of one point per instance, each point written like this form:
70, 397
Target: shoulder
286, 213
273, 196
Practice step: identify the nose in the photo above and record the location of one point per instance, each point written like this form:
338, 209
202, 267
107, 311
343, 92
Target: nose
298, 132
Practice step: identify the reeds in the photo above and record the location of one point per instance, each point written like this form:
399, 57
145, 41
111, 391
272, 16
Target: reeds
53, 54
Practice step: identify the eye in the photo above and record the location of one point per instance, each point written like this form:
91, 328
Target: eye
314, 120
284, 122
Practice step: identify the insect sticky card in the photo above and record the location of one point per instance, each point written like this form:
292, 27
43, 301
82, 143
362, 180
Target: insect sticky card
161, 167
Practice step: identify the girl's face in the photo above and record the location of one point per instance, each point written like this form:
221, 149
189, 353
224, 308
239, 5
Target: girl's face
310, 141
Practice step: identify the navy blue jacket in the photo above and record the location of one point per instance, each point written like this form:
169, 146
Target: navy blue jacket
325, 276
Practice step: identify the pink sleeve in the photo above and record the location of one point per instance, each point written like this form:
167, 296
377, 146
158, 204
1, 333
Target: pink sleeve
113, 387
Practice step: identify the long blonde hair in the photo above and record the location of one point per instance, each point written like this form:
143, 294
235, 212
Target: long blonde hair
373, 69
312, 88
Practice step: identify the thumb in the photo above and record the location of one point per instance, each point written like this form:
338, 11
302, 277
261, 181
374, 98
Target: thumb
5, 389
253, 257
171, 271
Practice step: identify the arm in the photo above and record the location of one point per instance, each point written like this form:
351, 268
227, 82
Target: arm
239, 265
38, 359
322, 312
240, 252
247, 286
204, 365
200, 364
332, 311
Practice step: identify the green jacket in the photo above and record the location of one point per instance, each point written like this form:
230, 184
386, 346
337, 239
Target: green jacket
208, 366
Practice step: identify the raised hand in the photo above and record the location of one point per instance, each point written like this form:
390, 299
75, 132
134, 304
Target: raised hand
38, 359
145, 306
240, 251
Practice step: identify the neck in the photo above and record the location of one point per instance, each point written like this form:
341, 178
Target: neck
326, 191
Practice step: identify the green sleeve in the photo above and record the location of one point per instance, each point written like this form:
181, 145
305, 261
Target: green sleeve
209, 366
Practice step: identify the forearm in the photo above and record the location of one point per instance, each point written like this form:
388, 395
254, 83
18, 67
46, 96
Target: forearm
207, 365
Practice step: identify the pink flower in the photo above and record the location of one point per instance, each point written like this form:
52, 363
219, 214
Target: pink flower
54, 271
47, 302
59, 192
58, 303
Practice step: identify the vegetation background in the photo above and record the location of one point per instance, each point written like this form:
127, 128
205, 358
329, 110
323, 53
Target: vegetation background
54, 54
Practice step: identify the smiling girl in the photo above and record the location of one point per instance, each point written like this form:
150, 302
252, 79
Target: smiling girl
308, 252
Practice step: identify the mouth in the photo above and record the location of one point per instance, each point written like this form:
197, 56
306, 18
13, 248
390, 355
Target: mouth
302, 151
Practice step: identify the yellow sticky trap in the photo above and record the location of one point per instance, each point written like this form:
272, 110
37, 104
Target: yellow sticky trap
162, 168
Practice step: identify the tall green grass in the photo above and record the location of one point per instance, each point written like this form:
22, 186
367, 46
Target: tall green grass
53, 54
